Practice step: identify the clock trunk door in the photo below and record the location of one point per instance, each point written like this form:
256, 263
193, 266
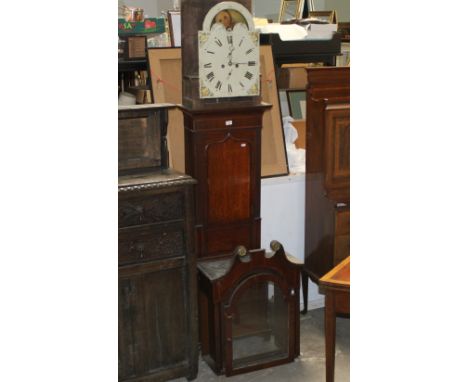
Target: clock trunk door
230, 197
229, 185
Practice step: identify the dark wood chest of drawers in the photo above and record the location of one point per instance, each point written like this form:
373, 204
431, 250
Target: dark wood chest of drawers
157, 284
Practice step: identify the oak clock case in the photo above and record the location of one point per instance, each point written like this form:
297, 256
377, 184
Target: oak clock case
228, 61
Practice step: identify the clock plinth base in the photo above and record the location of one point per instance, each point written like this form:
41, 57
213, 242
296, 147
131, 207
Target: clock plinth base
223, 153
191, 97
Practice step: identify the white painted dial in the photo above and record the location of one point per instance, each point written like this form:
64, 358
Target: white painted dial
229, 62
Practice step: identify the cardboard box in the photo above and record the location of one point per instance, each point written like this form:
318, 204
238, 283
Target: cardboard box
294, 76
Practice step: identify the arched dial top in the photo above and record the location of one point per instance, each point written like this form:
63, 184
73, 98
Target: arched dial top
229, 62
230, 7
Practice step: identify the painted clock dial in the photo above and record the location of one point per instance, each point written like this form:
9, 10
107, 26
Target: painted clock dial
228, 61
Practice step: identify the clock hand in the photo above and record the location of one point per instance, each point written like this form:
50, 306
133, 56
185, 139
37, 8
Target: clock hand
231, 45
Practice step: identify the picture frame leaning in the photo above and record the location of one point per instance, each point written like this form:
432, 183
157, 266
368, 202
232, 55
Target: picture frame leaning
175, 28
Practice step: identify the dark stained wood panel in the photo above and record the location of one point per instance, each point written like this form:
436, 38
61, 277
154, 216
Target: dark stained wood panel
337, 147
224, 238
228, 180
153, 332
127, 366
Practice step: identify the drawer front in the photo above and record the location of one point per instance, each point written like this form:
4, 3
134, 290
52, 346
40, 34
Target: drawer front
151, 243
238, 121
151, 209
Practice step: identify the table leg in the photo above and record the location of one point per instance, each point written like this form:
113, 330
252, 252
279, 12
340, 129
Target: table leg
305, 290
330, 336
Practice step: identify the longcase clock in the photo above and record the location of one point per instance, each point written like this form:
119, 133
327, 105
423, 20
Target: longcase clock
223, 120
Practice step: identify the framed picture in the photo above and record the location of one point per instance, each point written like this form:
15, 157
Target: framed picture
175, 28
274, 157
165, 66
290, 9
297, 103
328, 16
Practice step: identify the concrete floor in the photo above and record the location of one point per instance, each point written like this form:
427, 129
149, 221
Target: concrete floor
309, 367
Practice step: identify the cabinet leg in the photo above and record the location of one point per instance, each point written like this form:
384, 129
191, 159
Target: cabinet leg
193, 374
305, 290
330, 336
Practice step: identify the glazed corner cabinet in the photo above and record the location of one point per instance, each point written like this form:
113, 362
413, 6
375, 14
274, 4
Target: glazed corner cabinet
158, 317
327, 222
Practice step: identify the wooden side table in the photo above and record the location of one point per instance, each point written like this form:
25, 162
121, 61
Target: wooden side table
336, 286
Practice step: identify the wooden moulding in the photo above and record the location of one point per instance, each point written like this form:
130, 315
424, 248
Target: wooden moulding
166, 82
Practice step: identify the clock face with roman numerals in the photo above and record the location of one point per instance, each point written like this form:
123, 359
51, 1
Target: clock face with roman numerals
228, 62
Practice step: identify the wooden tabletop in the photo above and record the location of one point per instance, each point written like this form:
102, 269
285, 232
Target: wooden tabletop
338, 277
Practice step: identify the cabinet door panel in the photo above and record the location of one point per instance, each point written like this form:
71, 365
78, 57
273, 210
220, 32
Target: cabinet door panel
126, 337
152, 322
337, 148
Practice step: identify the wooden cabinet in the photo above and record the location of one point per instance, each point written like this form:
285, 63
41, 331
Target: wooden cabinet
327, 223
157, 306
223, 153
158, 319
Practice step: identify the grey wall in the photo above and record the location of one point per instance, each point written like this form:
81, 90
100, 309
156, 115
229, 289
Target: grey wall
340, 6
266, 8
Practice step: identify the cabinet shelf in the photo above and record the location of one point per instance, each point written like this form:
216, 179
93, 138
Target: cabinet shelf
132, 65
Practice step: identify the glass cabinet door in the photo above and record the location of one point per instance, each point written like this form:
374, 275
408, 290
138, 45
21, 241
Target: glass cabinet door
257, 326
